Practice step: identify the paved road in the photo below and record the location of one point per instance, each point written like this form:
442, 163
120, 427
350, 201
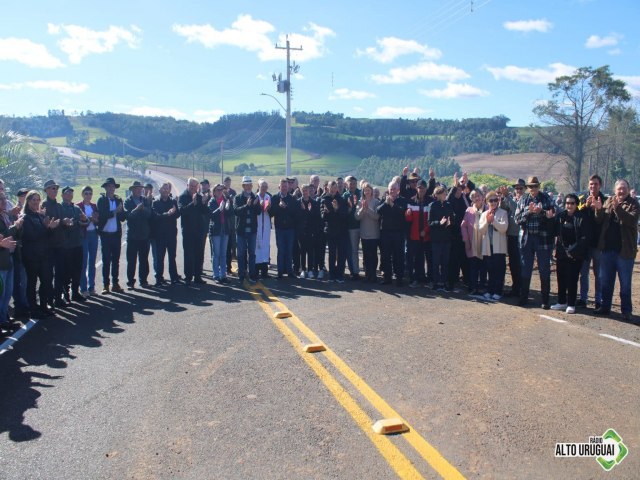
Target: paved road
203, 382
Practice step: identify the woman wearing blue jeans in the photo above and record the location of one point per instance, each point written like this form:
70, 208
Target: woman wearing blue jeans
219, 210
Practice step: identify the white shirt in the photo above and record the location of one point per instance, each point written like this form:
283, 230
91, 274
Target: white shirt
88, 211
112, 224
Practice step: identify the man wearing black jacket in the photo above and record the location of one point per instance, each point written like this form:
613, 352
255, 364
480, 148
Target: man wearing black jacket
193, 205
309, 223
335, 211
57, 265
283, 210
459, 200
137, 210
72, 246
392, 234
164, 226
246, 207
110, 217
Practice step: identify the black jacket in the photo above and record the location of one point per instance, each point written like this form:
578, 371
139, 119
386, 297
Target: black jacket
105, 213
309, 218
163, 225
392, 218
582, 228
216, 226
441, 233
138, 221
73, 234
54, 212
192, 220
5, 254
35, 236
283, 217
335, 221
244, 209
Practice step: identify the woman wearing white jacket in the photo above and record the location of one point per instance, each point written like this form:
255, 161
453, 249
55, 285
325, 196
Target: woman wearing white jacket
493, 228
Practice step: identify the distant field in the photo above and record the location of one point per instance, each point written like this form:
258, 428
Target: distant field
94, 133
273, 160
518, 165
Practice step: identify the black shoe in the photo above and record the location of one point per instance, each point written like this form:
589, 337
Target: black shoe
385, 281
399, 282
602, 311
177, 281
187, 282
522, 302
60, 303
626, 317
145, 284
199, 280
131, 285
582, 304
76, 297
545, 306
355, 277
598, 305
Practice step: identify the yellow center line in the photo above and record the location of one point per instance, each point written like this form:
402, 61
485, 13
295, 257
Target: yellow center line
394, 457
427, 451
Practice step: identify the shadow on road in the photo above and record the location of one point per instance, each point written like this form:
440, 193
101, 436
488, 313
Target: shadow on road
52, 341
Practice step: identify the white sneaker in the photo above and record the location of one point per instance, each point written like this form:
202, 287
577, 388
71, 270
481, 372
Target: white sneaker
302, 275
320, 274
559, 306
496, 297
570, 309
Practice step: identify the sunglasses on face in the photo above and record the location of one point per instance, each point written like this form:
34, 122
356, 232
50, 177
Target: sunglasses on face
570, 203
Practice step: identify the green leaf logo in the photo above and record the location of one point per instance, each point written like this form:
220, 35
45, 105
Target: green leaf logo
611, 434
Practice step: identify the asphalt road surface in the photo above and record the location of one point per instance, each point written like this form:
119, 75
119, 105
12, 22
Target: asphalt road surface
203, 382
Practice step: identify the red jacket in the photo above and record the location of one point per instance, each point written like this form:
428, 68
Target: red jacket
413, 215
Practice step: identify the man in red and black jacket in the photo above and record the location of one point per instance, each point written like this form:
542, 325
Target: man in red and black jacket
419, 236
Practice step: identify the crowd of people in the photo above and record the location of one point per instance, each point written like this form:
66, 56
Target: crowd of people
417, 228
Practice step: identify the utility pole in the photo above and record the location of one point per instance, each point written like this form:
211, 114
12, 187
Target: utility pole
286, 88
221, 161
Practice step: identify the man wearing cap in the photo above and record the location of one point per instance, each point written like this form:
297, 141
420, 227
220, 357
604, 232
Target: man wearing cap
89, 243
509, 204
72, 246
110, 217
137, 209
246, 208
192, 205
535, 215
57, 266
20, 300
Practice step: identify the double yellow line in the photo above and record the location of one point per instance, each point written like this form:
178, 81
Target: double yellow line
391, 453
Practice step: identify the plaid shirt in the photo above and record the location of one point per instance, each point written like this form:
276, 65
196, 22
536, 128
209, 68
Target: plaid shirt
535, 224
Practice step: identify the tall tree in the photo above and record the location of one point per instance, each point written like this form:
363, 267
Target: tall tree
578, 111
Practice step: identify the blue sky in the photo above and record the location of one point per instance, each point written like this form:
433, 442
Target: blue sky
199, 60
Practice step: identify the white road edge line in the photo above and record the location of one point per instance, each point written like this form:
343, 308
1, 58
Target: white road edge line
621, 340
553, 319
16, 336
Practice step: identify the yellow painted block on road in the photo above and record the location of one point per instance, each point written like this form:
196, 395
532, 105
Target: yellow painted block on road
389, 426
283, 314
314, 347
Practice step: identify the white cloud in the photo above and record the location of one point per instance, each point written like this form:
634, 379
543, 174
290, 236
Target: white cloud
455, 90
146, 111
261, 77
253, 35
389, 48
421, 71
55, 85
347, 94
531, 75
595, 41
81, 41
358, 109
392, 112
541, 25
614, 51
633, 84
28, 53
208, 115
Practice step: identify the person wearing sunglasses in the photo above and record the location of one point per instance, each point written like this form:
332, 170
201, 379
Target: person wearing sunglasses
89, 243
573, 231
494, 223
57, 266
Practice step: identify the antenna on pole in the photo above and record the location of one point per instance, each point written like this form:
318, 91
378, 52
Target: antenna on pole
285, 87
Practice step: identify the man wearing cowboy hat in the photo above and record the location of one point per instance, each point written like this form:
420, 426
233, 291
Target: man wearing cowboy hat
110, 217
57, 266
535, 215
246, 208
137, 209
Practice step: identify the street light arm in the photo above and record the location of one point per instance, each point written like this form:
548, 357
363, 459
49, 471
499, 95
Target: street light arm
281, 106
